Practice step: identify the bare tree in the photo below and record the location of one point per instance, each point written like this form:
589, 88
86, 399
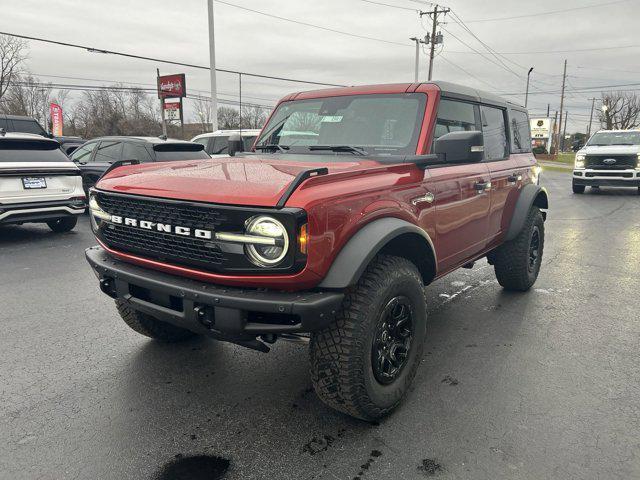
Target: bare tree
228, 118
27, 96
203, 113
620, 110
13, 52
253, 116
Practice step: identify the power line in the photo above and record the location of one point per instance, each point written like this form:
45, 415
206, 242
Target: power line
388, 5
540, 52
466, 71
171, 62
312, 25
551, 12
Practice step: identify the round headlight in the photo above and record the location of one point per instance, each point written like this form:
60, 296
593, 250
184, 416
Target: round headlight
276, 241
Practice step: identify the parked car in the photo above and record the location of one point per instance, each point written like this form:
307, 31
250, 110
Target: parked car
38, 183
97, 155
217, 143
610, 158
21, 124
404, 184
69, 144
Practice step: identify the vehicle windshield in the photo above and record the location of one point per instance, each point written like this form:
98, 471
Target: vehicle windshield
187, 151
615, 138
31, 151
375, 124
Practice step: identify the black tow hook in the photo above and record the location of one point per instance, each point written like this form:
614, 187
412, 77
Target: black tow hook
108, 286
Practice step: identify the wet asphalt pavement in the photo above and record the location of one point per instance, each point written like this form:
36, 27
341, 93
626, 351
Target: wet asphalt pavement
542, 385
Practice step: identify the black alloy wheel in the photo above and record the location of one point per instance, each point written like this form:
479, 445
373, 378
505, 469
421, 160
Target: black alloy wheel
392, 340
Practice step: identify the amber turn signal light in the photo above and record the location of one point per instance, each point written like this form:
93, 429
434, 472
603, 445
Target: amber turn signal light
303, 238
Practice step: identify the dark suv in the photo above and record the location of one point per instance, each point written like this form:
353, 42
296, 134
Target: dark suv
98, 154
357, 199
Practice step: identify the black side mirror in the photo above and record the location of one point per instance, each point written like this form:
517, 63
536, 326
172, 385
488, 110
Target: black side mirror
235, 144
460, 147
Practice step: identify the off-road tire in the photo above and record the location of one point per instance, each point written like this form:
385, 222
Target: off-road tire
63, 224
578, 188
152, 327
511, 260
341, 354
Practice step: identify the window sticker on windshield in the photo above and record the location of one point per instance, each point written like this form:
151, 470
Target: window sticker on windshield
331, 119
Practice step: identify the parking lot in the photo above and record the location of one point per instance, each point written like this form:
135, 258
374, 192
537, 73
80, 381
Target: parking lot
537, 385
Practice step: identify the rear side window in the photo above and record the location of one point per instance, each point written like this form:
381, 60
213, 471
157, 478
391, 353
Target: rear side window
167, 152
4, 124
455, 116
520, 132
494, 132
27, 126
108, 152
220, 145
31, 151
83, 154
136, 151
203, 141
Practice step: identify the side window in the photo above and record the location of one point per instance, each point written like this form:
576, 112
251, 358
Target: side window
203, 141
135, 151
455, 116
220, 145
28, 126
494, 132
248, 142
520, 132
83, 154
108, 152
4, 124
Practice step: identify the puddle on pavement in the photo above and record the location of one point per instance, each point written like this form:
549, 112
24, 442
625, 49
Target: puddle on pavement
198, 467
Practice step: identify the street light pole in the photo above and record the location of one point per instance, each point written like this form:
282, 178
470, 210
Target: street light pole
417, 66
212, 68
526, 95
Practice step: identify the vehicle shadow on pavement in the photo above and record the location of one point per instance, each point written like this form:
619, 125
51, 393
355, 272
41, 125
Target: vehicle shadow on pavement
19, 234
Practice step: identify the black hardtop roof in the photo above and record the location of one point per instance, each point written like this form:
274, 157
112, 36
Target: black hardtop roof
454, 90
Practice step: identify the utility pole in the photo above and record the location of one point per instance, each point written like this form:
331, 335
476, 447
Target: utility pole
593, 104
212, 69
526, 95
418, 41
164, 121
548, 108
554, 137
564, 131
435, 37
564, 82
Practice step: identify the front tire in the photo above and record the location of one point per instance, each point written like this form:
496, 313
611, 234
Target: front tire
62, 225
517, 262
365, 361
152, 327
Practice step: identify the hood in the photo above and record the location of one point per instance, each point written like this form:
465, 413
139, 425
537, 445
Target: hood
610, 150
252, 180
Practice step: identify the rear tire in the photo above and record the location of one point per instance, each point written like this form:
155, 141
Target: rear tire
578, 188
365, 361
152, 327
517, 262
62, 225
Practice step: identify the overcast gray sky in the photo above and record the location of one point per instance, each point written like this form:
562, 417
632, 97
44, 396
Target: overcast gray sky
252, 42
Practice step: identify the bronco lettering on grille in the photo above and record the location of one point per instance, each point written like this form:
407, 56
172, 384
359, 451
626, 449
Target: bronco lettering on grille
163, 227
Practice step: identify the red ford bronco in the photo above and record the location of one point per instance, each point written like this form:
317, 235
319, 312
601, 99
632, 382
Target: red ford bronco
352, 201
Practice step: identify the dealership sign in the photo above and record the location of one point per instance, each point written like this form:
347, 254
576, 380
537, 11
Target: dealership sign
540, 128
172, 86
56, 119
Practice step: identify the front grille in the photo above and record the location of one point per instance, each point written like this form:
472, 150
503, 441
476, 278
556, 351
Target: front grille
205, 254
622, 162
610, 174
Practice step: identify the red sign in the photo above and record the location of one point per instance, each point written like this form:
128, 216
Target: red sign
172, 86
56, 119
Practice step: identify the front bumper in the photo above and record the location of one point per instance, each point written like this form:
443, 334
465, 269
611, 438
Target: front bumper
40, 211
212, 309
607, 178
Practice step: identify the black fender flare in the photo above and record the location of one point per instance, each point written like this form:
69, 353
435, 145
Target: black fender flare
363, 246
530, 195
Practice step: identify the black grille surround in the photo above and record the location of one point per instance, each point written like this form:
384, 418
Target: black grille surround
212, 256
623, 162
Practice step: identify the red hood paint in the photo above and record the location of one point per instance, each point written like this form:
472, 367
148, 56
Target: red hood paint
251, 180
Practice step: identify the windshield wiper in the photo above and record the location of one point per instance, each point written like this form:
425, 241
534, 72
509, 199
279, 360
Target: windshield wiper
339, 148
272, 146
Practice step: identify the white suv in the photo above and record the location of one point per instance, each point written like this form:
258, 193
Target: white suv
610, 158
216, 143
38, 183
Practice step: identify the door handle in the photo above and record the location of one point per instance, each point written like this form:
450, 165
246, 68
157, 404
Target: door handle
516, 177
482, 187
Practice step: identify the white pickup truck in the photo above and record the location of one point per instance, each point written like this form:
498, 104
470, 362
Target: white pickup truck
38, 183
610, 158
